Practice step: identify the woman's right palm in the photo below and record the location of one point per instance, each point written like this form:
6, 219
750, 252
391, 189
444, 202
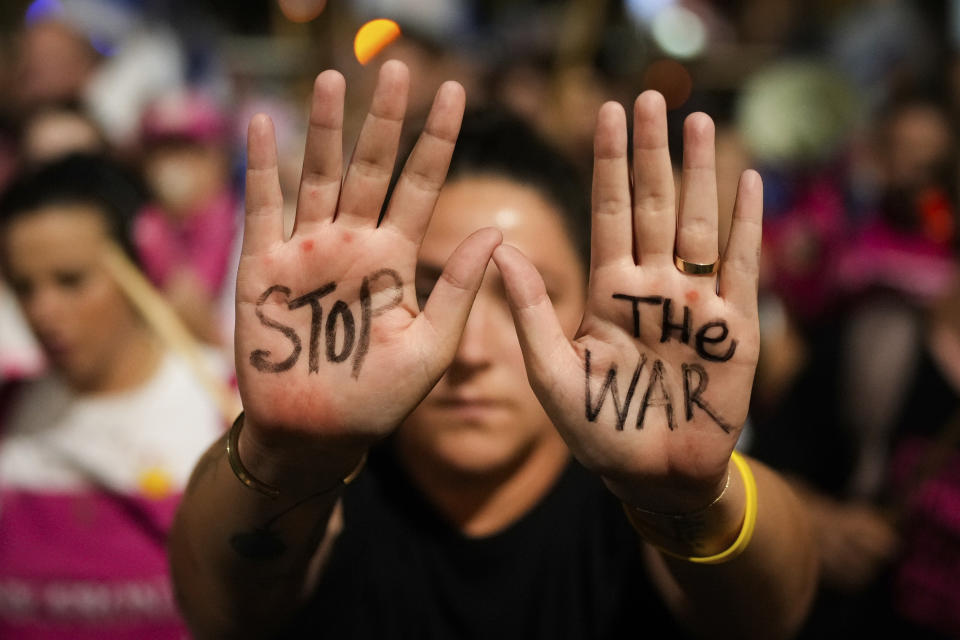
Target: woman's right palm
330, 342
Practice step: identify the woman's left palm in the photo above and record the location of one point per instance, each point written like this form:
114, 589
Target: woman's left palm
653, 390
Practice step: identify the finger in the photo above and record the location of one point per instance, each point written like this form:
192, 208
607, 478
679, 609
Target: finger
371, 167
446, 310
654, 194
697, 224
740, 270
323, 156
611, 233
263, 224
419, 185
546, 349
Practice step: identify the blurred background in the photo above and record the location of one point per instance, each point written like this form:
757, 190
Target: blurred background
848, 108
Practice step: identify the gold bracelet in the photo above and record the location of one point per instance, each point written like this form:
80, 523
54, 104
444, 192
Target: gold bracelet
248, 479
688, 514
746, 528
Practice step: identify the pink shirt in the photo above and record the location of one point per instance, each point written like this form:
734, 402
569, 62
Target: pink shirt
202, 242
88, 490
86, 564
926, 585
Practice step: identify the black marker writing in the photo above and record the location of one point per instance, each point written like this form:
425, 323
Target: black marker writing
316, 313
703, 339
669, 327
657, 383
339, 320
611, 384
710, 333
342, 311
657, 394
636, 300
695, 396
259, 357
367, 313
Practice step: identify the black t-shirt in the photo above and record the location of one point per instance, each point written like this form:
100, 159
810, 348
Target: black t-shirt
570, 568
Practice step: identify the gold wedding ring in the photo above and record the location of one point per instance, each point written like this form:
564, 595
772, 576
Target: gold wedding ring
695, 268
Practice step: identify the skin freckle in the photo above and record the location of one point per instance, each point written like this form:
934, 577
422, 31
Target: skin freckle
692, 296
306, 246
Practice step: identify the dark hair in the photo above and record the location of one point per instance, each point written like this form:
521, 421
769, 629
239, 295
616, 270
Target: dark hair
495, 142
79, 179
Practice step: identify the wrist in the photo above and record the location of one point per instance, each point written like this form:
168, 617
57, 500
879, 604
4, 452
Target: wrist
714, 533
672, 495
293, 464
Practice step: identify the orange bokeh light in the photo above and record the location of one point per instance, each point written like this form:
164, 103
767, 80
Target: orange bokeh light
373, 37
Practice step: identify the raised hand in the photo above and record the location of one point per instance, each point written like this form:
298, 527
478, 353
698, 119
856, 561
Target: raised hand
653, 389
332, 351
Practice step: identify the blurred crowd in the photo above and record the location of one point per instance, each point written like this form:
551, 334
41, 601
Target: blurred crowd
850, 111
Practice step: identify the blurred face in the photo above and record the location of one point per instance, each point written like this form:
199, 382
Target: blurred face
57, 134
54, 63
919, 143
184, 177
482, 416
80, 317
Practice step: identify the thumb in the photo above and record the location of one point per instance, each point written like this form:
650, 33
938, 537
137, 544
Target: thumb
446, 310
545, 346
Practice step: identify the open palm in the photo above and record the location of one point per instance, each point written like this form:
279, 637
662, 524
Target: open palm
653, 390
330, 343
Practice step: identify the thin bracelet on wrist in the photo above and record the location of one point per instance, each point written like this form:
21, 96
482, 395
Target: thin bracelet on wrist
688, 514
746, 527
251, 481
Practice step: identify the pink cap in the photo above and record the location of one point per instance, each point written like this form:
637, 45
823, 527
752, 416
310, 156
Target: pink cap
183, 116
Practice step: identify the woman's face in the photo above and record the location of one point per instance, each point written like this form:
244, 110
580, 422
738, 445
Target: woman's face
52, 260
483, 416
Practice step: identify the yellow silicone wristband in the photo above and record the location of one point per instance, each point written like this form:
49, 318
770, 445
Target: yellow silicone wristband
746, 528
749, 518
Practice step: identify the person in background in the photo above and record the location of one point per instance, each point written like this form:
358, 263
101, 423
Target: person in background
47, 133
57, 130
384, 332
185, 238
908, 242
95, 453
872, 457
54, 62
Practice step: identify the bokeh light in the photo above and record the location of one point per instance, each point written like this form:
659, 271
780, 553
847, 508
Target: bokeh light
373, 37
301, 10
42, 9
643, 11
670, 78
796, 112
679, 32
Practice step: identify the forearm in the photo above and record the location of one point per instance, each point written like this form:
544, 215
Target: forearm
766, 591
242, 561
